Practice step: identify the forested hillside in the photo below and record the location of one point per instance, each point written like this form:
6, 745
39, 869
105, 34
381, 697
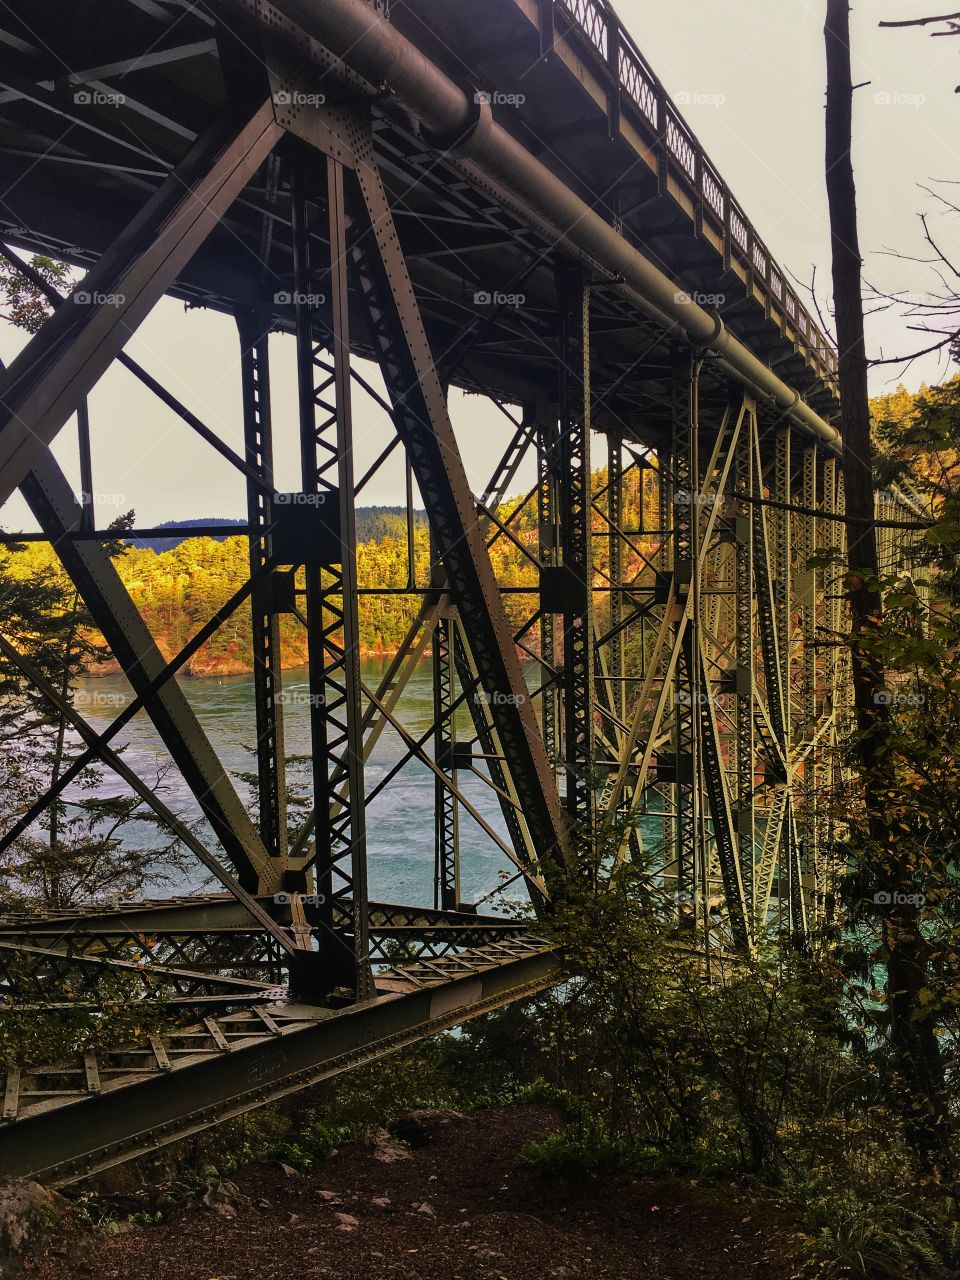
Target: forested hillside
178, 589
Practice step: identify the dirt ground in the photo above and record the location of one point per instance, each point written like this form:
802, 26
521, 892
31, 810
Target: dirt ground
457, 1208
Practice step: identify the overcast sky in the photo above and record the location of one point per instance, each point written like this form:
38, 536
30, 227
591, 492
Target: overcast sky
750, 77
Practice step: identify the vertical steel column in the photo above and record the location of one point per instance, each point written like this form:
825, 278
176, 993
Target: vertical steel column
686, 537
831, 593
666, 559
615, 661
769, 534
573, 299
747, 485
784, 601
326, 437
845, 684
443, 658
831, 679
267, 677
548, 533
86, 466
446, 813
783, 568
446, 809
808, 621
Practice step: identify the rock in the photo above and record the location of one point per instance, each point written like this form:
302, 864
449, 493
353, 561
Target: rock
426, 1209
120, 1180
385, 1147
34, 1221
346, 1221
421, 1127
330, 1197
382, 1202
114, 1227
289, 1170
222, 1198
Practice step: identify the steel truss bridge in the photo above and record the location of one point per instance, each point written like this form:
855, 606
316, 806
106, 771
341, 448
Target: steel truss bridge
381, 184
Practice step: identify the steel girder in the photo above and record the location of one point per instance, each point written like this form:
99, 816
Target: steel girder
446, 811
253, 330
576, 566
326, 442
74, 1118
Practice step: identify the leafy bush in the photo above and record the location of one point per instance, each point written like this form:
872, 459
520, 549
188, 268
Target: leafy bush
581, 1150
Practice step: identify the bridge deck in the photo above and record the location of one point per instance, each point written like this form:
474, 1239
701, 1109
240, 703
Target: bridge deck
618, 143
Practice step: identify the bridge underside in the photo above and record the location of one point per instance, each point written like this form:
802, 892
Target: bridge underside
650, 688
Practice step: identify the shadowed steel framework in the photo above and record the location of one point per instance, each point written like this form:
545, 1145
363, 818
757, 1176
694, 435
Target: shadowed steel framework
385, 186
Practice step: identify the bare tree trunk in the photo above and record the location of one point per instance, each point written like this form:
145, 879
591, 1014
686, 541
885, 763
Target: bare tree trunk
916, 1051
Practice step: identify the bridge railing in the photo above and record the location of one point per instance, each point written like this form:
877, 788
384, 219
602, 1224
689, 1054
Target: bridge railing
713, 201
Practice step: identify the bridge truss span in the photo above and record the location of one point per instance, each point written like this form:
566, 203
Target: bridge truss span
658, 678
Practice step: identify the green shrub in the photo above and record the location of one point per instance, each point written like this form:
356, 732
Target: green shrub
581, 1150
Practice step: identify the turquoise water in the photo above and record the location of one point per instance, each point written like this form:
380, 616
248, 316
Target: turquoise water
399, 821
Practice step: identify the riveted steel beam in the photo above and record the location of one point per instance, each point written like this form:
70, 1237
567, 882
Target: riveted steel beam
422, 421
159, 1094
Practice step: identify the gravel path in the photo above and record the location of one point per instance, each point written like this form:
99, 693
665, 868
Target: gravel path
456, 1208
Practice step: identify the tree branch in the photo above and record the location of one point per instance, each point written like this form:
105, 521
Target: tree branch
922, 22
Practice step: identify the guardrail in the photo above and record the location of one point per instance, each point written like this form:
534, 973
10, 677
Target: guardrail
626, 67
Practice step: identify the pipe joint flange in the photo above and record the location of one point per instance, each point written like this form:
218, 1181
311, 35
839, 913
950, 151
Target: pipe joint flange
473, 134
